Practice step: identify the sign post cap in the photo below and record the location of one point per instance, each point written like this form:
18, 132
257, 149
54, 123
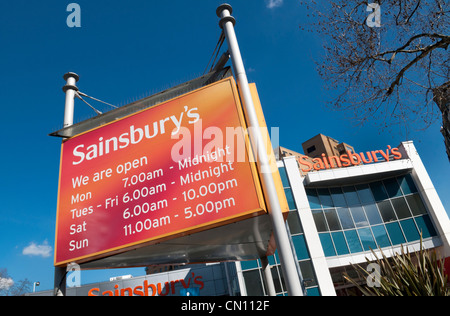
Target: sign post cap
71, 75
222, 7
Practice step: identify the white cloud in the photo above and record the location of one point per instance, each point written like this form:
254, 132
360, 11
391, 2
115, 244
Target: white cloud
33, 249
274, 3
5, 284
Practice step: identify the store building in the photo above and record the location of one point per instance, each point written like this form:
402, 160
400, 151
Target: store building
347, 207
341, 207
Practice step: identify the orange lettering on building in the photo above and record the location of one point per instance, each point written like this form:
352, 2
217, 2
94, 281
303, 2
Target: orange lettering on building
308, 164
148, 289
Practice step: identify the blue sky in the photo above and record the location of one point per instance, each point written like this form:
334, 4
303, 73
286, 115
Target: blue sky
126, 50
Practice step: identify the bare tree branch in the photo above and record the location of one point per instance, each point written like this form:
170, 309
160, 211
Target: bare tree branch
385, 74
426, 51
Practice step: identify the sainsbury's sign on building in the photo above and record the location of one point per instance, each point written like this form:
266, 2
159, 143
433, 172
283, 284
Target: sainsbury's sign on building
347, 160
168, 288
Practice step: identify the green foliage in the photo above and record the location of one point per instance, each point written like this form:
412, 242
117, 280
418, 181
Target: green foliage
406, 274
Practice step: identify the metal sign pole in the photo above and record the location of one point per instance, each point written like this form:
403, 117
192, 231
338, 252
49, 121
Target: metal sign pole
70, 88
291, 276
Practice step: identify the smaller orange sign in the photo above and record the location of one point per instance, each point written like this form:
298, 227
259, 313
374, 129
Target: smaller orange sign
149, 289
172, 170
349, 159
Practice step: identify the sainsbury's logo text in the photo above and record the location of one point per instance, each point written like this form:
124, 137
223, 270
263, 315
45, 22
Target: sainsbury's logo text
149, 289
348, 160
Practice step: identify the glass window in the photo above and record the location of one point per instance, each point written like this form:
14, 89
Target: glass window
410, 230
351, 196
313, 292
280, 273
378, 190
359, 216
290, 199
395, 233
253, 283
277, 257
308, 272
338, 197
346, 218
272, 260
311, 149
313, 199
367, 239
295, 226
332, 219
353, 241
248, 265
284, 177
381, 236
387, 212
372, 214
327, 245
407, 184
337, 277
319, 219
392, 187
416, 204
340, 243
300, 247
325, 198
365, 194
276, 280
426, 226
401, 208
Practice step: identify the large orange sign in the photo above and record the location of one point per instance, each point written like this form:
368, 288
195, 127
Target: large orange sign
168, 171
